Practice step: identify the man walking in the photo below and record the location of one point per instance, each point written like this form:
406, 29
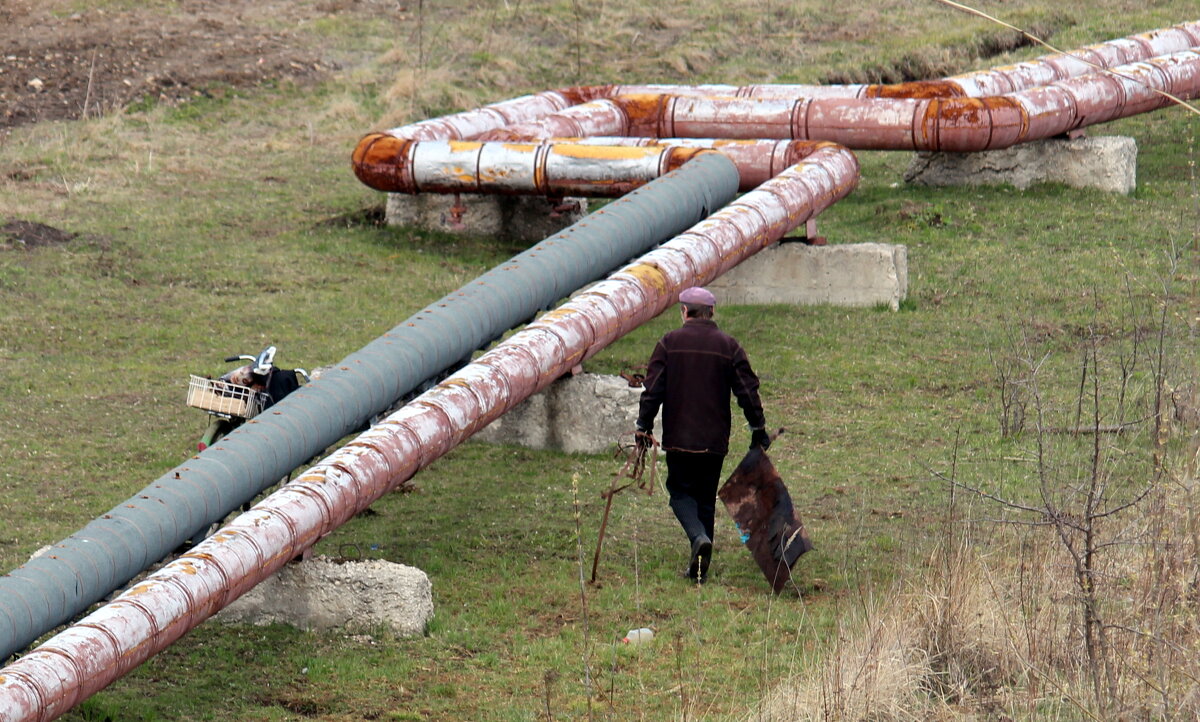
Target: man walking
691, 375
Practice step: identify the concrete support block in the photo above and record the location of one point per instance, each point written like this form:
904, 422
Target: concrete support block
319, 594
1107, 163
852, 274
586, 413
519, 218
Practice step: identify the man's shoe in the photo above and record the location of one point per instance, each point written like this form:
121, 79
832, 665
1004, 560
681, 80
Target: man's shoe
697, 570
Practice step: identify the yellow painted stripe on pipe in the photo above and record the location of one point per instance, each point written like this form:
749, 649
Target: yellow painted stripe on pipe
464, 146
605, 152
649, 275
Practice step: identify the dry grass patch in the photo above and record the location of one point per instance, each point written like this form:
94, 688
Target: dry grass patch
999, 634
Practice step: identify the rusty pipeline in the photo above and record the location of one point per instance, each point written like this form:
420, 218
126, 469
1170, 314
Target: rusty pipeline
595, 167
956, 124
471, 123
599, 117
757, 160
1038, 72
396, 165
148, 617
1063, 66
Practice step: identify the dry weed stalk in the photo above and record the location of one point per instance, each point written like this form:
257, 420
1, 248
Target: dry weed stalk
873, 671
588, 684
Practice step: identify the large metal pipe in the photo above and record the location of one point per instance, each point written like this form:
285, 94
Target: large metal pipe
1063, 66
53, 588
145, 619
932, 124
757, 160
974, 124
608, 116
594, 167
472, 124
398, 165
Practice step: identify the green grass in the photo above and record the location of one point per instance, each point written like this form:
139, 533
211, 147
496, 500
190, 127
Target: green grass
205, 230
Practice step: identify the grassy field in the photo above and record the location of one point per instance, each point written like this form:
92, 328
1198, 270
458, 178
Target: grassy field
220, 225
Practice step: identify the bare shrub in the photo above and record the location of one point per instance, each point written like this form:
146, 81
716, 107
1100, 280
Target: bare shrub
1012, 398
1078, 596
1001, 635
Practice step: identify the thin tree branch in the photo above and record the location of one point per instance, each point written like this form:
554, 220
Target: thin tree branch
986, 495
1118, 509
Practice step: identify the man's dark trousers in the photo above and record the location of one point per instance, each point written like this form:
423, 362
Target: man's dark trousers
692, 480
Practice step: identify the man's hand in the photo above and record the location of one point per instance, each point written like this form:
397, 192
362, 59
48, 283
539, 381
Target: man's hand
760, 438
643, 438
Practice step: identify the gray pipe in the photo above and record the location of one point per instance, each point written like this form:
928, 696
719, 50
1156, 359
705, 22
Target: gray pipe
54, 588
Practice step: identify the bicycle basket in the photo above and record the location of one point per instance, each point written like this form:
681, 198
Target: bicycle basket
220, 397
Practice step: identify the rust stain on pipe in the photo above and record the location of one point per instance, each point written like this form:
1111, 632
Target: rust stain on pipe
967, 124
916, 89
648, 275
379, 160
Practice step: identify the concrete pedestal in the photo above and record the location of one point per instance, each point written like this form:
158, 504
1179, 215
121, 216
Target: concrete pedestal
1107, 163
586, 413
852, 274
320, 593
520, 218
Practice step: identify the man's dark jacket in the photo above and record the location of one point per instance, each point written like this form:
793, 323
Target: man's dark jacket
691, 373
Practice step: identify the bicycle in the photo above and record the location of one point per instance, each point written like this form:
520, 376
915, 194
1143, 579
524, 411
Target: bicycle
241, 394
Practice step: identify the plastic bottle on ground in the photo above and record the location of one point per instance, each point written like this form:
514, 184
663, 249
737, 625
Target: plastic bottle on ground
638, 636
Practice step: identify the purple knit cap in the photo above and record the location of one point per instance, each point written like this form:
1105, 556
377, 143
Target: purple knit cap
698, 295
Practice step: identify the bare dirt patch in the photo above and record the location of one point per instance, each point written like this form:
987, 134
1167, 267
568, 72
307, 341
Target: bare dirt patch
60, 62
16, 234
